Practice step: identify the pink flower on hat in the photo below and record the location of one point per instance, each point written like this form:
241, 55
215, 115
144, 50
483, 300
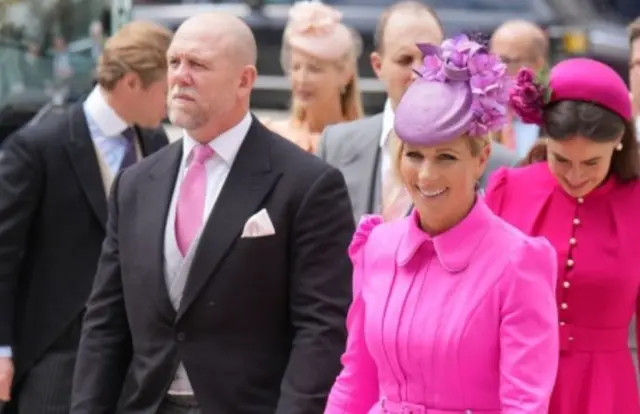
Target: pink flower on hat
313, 17
528, 96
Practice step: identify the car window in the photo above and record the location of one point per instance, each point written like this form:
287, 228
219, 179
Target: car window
47, 45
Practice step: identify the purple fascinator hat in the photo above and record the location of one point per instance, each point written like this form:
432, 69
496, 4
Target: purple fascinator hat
461, 89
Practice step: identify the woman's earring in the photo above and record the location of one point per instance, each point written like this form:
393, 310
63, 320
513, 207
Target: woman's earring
343, 90
619, 146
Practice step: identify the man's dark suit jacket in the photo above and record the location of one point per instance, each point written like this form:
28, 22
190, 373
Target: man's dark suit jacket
53, 213
261, 324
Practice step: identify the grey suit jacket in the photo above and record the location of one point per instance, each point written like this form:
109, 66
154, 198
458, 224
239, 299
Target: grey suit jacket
354, 148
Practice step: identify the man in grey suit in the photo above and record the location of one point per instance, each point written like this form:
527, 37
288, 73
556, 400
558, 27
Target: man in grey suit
360, 149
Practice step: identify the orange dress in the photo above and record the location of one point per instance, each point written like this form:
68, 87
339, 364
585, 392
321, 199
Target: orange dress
304, 139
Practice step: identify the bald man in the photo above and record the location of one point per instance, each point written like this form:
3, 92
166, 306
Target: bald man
520, 44
223, 284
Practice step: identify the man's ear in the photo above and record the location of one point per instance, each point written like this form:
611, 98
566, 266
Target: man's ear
376, 62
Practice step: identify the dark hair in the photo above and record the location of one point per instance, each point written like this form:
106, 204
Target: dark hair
403, 5
564, 120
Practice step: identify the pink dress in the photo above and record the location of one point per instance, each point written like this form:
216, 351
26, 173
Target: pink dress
463, 322
597, 239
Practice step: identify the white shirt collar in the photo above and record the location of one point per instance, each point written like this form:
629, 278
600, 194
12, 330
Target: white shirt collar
388, 117
102, 115
226, 145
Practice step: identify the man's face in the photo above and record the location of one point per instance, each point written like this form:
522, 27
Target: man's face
399, 55
634, 74
144, 105
152, 101
204, 81
515, 51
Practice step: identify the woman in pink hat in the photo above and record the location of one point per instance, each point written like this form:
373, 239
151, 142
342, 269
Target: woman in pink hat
454, 308
581, 192
319, 54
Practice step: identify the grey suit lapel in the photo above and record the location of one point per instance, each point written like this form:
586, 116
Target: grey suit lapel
368, 163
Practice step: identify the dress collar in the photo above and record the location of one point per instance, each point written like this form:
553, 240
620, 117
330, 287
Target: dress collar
455, 247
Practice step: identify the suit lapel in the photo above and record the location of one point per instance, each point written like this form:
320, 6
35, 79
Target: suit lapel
85, 162
370, 161
151, 140
154, 199
250, 180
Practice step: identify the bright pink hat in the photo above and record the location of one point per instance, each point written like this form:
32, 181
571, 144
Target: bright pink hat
582, 79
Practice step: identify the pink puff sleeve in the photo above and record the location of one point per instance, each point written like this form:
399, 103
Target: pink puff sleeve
356, 388
529, 329
496, 189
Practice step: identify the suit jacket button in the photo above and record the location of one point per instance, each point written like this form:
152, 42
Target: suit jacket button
181, 336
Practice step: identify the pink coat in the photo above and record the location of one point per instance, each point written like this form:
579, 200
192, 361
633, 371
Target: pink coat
464, 322
596, 240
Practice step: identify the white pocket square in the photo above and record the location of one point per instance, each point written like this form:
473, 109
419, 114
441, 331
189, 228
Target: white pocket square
258, 225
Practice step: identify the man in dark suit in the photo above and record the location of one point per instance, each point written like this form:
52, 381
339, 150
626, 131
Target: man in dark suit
224, 282
55, 175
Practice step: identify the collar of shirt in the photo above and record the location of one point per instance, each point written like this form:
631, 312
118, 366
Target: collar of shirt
226, 145
102, 115
638, 128
387, 123
453, 255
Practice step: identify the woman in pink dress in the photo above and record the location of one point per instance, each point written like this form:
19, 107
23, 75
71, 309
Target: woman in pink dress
581, 192
454, 308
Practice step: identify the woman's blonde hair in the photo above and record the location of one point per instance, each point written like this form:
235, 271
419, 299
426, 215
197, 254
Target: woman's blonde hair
139, 47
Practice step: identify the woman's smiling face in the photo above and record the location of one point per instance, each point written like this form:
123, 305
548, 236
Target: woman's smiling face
442, 179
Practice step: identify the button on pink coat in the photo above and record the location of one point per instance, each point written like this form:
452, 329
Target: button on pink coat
464, 322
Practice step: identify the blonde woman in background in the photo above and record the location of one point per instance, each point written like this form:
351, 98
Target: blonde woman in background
319, 55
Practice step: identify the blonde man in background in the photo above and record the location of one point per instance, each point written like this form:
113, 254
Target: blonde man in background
54, 178
320, 56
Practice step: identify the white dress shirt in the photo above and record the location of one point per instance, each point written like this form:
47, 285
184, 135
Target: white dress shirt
388, 117
176, 267
106, 129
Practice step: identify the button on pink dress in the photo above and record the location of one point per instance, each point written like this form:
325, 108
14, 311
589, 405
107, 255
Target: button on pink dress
464, 322
597, 239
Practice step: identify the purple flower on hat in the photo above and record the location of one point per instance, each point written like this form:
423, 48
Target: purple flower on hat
489, 116
488, 77
477, 82
528, 96
432, 63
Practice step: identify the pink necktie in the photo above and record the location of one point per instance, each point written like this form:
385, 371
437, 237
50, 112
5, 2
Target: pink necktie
190, 207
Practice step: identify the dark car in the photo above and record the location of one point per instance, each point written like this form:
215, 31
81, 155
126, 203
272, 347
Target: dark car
572, 28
